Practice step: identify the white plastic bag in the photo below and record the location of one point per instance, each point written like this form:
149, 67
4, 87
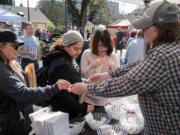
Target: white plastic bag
45, 122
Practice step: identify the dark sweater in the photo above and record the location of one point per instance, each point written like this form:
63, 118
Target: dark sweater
62, 66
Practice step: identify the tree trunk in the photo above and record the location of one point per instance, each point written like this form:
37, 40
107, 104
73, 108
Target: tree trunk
81, 16
84, 9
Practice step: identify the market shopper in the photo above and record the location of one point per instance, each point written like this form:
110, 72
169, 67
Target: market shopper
136, 49
15, 96
98, 59
61, 64
29, 52
156, 79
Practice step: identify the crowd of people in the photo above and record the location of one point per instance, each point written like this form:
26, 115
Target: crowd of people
150, 69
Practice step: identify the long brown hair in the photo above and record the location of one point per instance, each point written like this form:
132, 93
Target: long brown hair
57, 44
168, 33
2, 56
14, 65
105, 38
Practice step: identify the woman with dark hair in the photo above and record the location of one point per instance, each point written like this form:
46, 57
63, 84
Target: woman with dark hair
156, 79
100, 57
62, 65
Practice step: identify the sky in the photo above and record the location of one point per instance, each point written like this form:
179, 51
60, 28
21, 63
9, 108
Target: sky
32, 3
124, 7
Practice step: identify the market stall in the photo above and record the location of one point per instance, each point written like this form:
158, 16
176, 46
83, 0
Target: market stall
9, 18
121, 117
123, 25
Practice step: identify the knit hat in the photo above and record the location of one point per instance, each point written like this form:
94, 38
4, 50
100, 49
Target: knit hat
71, 37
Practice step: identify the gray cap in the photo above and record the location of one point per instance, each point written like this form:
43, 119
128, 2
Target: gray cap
71, 37
158, 12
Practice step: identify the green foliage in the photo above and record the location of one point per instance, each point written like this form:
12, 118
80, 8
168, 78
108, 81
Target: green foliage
53, 9
95, 11
98, 12
56, 35
50, 26
78, 12
6, 2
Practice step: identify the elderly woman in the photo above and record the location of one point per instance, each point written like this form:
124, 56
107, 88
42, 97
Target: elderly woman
156, 79
15, 96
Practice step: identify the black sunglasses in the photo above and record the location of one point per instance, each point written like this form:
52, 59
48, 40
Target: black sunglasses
16, 45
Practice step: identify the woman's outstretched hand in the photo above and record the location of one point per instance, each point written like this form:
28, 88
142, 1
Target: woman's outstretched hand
63, 84
98, 62
78, 88
90, 108
99, 77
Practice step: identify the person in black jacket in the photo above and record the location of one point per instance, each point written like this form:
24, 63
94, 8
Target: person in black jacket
62, 65
15, 97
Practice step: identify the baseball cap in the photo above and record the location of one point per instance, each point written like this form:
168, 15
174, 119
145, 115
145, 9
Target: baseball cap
71, 37
158, 12
10, 36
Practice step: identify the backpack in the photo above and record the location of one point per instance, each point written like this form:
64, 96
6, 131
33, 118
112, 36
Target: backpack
42, 76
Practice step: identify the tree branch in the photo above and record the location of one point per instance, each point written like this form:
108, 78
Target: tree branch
73, 8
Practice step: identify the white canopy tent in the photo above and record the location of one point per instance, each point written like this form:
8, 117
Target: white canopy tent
123, 24
10, 18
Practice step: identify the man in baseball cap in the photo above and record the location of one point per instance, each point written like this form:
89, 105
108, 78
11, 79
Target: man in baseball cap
155, 79
158, 12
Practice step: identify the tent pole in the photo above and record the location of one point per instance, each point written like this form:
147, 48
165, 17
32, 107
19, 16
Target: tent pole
28, 11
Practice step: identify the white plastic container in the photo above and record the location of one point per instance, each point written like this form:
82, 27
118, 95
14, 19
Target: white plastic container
76, 128
96, 120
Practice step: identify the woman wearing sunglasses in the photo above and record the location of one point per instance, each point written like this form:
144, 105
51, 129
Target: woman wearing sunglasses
15, 96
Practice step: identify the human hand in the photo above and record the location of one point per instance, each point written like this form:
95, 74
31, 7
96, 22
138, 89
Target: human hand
99, 77
90, 108
63, 84
111, 65
98, 62
78, 88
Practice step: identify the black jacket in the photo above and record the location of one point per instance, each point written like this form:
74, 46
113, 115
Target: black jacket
16, 97
62, 66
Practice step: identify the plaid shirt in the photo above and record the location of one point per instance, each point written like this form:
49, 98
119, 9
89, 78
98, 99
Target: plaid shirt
156, 80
